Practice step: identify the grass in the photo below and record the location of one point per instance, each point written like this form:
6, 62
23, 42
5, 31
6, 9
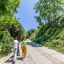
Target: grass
1, 55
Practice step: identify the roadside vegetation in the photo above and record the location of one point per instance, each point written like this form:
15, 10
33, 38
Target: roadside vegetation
9, 25
50, 30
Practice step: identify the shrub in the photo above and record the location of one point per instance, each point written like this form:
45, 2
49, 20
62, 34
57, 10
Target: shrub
6, 42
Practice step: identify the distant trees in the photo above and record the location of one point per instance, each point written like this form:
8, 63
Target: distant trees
30, 32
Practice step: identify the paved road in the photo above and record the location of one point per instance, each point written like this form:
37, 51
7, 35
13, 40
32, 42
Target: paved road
36, 54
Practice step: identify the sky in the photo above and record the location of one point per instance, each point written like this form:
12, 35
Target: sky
26, 14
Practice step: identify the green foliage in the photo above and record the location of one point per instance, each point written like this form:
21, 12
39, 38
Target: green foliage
9, 25
51, 35
30, 32
56, 44
48, 10
8, 6
33, 35
6, 42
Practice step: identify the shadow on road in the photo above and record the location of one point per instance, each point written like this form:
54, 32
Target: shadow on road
34, 44
10, 60
19, 58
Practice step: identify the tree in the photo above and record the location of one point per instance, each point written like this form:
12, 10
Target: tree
8, 6
7, 18
48, 10
30, 32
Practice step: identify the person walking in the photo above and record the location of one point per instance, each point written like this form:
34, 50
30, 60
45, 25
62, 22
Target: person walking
15, 45
24, 48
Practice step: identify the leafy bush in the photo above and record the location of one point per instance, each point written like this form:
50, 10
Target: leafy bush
6, 42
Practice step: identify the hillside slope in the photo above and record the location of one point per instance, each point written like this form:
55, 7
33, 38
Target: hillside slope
51, 35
